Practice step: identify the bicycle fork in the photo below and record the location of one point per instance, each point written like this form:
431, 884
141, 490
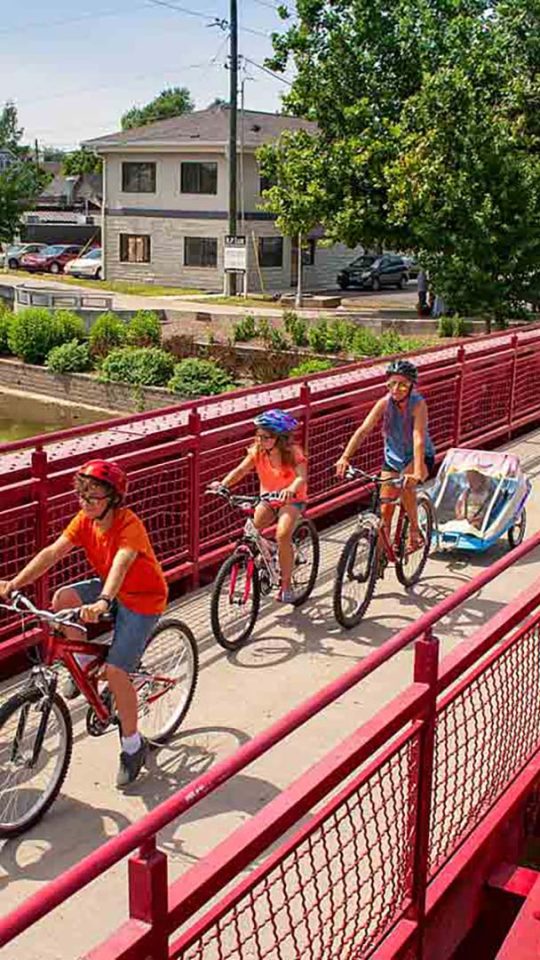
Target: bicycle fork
45, 707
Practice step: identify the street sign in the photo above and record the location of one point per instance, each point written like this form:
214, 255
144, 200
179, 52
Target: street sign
235, 255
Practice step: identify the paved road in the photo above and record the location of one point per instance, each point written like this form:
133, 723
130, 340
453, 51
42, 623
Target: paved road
291, 656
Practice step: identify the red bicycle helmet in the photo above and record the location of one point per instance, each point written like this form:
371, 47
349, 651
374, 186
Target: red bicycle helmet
106, 471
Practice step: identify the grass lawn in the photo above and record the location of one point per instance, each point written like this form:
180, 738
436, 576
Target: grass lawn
112, 286
256, 300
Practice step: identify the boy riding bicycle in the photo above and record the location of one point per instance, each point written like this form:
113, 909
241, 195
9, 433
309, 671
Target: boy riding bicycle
129, 584
408, 449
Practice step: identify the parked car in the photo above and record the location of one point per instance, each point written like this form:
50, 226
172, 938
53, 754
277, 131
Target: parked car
89, 265
52, 259
413, 267
15, 252
373, 272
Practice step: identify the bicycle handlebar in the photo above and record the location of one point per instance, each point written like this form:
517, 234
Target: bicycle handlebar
22, 604
352, 473
244, 501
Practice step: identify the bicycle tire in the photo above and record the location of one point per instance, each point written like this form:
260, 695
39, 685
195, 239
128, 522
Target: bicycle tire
406, 579
301, 596
154, 658
516, 532
238, 561
345, 573
12, 826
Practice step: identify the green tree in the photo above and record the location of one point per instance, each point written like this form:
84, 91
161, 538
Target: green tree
172, 102
22, 181
427, 136
80, 162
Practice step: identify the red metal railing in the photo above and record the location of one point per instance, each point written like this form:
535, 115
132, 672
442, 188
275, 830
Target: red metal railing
477, 390
370, 841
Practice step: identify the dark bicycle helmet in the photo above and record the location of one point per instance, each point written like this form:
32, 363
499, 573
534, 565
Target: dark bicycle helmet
403, 368
276, 421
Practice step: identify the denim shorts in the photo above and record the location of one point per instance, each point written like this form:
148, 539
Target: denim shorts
131, 630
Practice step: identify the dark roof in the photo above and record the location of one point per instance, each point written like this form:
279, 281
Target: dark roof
72, 189
206, 126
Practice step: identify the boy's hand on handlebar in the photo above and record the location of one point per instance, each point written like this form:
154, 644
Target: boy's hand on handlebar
91, 612
342, 466
6, 589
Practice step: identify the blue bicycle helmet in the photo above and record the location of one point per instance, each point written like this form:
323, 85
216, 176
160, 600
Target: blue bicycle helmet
403, 368
276, 421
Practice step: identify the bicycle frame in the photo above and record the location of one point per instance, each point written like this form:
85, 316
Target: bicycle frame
389, 543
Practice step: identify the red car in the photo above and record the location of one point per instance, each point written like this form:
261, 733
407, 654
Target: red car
50, 260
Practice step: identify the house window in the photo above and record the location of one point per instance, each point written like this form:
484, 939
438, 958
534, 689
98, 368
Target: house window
271, 251
265, 183
138, 177
199, 177
200, 252
134, 248
308, 253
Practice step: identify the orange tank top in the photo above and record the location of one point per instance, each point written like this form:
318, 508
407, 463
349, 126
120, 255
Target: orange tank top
273, 478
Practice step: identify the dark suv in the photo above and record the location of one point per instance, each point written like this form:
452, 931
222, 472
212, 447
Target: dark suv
373, 272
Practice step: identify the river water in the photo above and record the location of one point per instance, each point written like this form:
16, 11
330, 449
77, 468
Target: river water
24, 416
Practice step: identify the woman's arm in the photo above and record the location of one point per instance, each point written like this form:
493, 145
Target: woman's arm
366, 427
239, 472
419, 440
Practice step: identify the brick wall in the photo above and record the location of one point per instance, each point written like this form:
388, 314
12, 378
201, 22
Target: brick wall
80, 388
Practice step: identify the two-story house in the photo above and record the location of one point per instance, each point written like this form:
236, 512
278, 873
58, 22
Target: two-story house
165, 216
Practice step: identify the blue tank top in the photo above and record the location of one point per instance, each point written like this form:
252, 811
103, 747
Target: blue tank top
398, 434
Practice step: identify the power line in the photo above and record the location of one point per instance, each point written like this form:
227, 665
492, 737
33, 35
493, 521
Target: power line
266, 70
214, 21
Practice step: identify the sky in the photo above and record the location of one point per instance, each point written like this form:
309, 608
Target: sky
73, 69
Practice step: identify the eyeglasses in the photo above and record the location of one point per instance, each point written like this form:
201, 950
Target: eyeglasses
90, 500
398, 385
265, 436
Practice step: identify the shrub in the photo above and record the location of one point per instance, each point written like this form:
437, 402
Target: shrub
71, 357
199, 378
69, 326
141, 366
365, 343
33, 333
296, 328
106, 333
446, 327
144, 329
324, 337
460, 326
310, 366
6, 317
276, 340
245, 329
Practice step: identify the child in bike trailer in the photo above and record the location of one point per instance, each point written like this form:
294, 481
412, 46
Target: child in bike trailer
408, 448
281, 466
129, 584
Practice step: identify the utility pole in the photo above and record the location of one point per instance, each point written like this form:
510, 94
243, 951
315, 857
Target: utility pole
233, 117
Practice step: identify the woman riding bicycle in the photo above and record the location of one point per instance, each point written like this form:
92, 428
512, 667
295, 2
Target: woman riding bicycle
129, 584
408, 449
281, 468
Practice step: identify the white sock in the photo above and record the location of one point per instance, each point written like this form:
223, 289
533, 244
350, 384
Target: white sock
131, 744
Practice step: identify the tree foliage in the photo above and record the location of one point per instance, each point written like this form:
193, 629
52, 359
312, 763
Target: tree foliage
427, 139
22, 181
81, 161
171, 102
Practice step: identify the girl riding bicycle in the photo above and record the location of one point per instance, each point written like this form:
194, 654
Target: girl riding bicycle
129, 584
408, 449
281, 467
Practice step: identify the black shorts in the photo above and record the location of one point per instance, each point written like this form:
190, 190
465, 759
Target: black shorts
429, 461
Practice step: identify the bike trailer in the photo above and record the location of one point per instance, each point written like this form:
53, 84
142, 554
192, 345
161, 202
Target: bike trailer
498, 487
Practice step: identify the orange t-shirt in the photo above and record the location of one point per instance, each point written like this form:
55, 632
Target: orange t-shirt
144, 589
274, 478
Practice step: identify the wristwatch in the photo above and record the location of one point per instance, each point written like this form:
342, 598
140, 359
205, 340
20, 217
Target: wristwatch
107, 600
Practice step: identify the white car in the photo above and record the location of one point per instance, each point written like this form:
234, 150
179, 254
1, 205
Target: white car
90, 265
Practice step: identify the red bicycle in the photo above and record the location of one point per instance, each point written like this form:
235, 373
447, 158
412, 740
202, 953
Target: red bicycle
370, 549
36, 731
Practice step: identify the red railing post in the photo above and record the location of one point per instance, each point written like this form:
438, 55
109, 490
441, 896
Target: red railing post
148, 895
41, 493
459, 396
194, 495
305, 400
515, 342
426, 664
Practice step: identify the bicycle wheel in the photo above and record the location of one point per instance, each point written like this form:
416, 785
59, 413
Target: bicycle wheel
28, 787
166, 680
517, 532
236, 598
306, 560
356, 577
410, 564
